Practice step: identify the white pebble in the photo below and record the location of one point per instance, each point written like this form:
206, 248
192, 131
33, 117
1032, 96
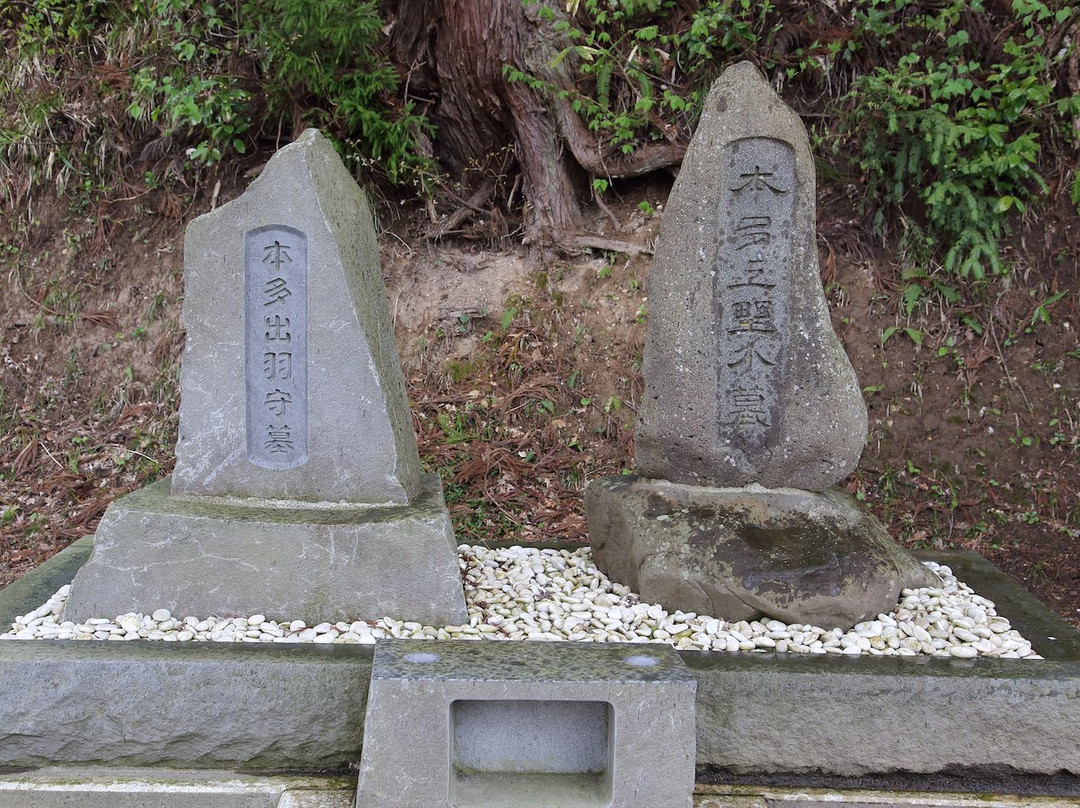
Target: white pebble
129, 622
520, 593
963, 651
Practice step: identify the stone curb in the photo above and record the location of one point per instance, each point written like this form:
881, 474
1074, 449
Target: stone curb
758, 797
157, 788
280, 707
142, 788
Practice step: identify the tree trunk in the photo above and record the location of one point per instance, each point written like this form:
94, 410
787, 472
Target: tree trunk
456, 53
462, 47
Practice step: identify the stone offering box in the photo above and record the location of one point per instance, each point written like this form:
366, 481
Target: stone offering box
154, 723
528, 724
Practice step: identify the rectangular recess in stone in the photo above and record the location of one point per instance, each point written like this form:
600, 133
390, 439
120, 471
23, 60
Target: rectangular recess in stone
527, 724
275, 336
516, 746
752, 284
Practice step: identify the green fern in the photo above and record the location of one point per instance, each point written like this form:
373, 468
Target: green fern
959, 138
910, 297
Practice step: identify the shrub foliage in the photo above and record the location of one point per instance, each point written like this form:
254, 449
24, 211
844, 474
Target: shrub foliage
952, 117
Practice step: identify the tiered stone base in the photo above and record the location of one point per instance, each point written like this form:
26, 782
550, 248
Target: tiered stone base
318, 563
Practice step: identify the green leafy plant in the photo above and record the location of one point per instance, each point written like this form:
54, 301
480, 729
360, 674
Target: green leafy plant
322, 67
640, 69
953, 138
188, 78
914, 334
1042, 311
37, 40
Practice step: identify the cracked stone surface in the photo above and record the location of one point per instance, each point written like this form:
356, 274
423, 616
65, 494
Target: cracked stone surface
190, 556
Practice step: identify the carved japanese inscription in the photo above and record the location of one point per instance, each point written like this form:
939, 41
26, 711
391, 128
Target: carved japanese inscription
275, 333
751, 284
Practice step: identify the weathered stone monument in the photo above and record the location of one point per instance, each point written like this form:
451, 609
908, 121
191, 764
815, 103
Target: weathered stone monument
297, 491
752, 409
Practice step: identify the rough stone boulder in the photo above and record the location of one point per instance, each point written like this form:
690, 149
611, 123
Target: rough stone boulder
752, 410
743, 553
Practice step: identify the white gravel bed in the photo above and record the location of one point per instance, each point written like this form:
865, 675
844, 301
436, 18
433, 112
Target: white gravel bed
521, 593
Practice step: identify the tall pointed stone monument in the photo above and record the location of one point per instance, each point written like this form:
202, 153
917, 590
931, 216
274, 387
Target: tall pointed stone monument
297, 491
751, 409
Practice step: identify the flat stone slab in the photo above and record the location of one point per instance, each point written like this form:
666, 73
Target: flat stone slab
530, 724
852, 717
804, 557
157, 788
235, 706
914, 793
195, 556
290, 707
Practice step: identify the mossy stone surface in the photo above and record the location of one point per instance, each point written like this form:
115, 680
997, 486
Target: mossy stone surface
796, 556
207, 556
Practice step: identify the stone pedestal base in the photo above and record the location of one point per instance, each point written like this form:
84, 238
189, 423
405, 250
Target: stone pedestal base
743, 553
527, 724
316, 563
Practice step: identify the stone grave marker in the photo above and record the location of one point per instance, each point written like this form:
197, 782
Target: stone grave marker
746, 381
297, 490
751, 408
